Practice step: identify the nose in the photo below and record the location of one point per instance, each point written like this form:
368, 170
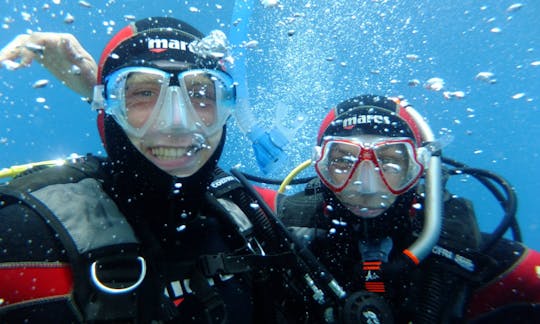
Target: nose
366, 179
174, 113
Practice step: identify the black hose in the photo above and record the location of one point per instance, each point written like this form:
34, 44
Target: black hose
431, 300
276, 181
307, 262
509, 205
461, 168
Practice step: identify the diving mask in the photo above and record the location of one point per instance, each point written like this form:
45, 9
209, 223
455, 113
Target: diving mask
147, 100
369, 165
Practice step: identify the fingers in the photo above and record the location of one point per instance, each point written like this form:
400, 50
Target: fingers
65, 57
71, 49
9, 52
60, 53
16, 54
26, 57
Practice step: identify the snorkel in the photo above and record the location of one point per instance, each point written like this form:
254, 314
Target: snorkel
431, 230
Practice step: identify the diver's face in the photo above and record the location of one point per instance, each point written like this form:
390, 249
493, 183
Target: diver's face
174, 118
363, 171
365, 195
174, 149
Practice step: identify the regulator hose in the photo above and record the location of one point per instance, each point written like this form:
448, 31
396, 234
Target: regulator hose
508, 201
326, 289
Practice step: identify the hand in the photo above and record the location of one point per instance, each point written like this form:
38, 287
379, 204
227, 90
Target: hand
60, 53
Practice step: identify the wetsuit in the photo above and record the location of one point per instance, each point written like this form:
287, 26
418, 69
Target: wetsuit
456, 283
179, 236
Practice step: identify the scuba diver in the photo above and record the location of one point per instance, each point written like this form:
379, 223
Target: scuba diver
156, 231
404, 249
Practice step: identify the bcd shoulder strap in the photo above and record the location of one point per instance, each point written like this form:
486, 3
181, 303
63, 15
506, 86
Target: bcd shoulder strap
242, 213
301, 209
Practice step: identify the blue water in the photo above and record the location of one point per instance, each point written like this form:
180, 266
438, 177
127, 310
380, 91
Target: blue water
310, 56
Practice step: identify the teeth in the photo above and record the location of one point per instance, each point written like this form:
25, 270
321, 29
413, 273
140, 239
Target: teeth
168, 153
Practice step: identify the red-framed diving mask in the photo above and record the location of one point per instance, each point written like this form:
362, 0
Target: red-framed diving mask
369, 164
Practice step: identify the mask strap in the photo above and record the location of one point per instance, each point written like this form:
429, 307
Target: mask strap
423, 154
98, 98
316, 154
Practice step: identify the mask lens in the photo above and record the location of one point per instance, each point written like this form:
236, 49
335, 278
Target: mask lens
132, 96
397, 163
142, 91
337, 162
202, 92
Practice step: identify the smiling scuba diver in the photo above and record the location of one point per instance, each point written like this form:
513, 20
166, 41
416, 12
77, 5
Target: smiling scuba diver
172, 110
155, 231
404, 249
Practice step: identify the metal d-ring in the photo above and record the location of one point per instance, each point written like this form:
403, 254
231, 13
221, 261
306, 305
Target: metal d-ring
117, 291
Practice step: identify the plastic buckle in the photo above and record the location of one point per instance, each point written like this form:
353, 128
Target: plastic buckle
212, 264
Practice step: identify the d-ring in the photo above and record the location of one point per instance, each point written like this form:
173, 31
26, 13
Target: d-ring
116, 291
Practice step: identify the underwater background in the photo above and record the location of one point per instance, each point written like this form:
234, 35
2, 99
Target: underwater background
470, 67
